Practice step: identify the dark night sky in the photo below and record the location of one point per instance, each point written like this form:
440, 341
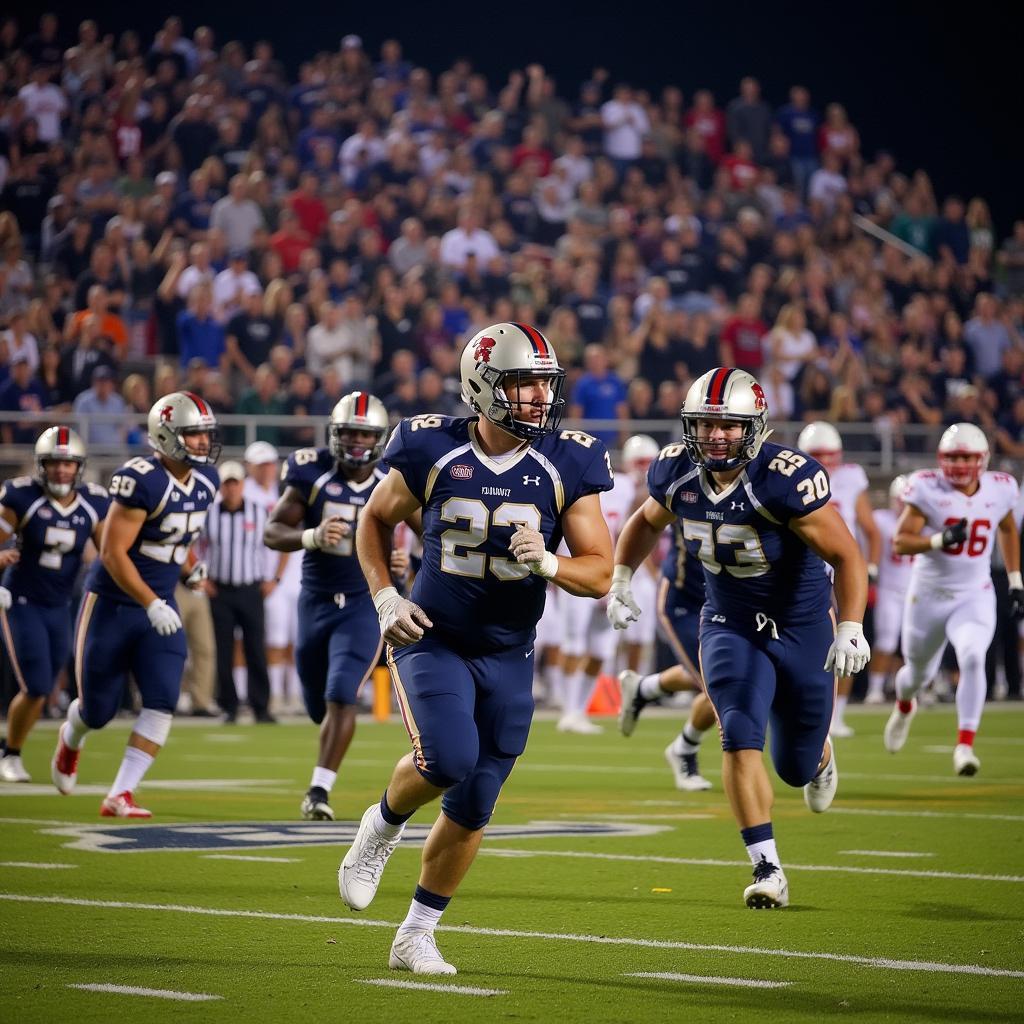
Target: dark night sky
939, 91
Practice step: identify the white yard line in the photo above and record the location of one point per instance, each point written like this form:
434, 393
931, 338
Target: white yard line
34, 864
715, 863
885, 853
958, 815
240, 856
886, 963
701, 979
154, 993
426, 986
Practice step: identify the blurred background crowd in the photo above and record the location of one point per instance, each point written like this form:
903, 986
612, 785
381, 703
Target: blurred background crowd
179, 211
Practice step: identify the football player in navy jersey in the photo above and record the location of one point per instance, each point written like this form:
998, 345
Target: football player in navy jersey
758, 517
128, 621
497, 491
680, 599
338, 637
53, 515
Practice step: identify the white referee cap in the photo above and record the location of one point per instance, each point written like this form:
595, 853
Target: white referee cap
259, 453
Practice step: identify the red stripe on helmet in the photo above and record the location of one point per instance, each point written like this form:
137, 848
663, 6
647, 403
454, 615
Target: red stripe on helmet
362, 401
540, 345
63, 437
717, 387
204, 409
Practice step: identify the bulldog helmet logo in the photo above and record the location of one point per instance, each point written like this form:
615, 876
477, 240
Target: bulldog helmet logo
482, 352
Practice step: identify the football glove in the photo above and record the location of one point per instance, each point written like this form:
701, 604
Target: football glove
1016, 594
955, 533
527, 547
622, 606
401, 622
5, 599
849, 652
199, 574
162, 617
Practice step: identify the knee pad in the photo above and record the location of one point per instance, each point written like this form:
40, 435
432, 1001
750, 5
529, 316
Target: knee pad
741, 732
452, 767
153, 725
471, 804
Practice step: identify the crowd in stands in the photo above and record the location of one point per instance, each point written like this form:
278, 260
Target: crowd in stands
179, 212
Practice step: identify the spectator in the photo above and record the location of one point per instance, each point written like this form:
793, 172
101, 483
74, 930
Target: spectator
749, 119
19, 343
741, 336
237, 216
101, 399
599, 394
44, 102
329, 393
200, 336
799, 122
98, 308
233, 285
249, 336
625, 124
987, 335
263, 399
299, 402
23, 392
791, 347
194, 208
1011, 258
468, 237
290, 241
308, 207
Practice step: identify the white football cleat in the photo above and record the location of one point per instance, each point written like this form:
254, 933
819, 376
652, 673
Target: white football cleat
840, 729
897, 729
577, 722
965, 760
12, 770
417, 951
821, 790
64, 764
769, 888
123, 806
360, 871
685, 772
632, 702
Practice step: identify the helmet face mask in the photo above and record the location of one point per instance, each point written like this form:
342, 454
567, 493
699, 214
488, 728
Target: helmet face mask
357, 418
503, 362
178, 418
963, 454
59, 447
724, 397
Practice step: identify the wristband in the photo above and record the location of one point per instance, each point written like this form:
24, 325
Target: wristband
935, 540
1015, 580
548, 566
383, 596
622, 574
309, 539
872, 571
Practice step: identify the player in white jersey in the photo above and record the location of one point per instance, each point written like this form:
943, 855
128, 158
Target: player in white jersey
893, 580
281, 605
950, 520
588, 643
850, 496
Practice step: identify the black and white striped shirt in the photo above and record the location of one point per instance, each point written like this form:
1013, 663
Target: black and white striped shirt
234, 544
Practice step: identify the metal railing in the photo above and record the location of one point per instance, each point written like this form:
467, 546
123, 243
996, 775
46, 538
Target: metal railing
883, 450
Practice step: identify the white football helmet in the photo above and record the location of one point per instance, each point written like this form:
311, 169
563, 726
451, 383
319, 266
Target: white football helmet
177, 415
506, 354
638, 453
822, 440
59, 444
732, 395
358, 410
963, 439
896, 491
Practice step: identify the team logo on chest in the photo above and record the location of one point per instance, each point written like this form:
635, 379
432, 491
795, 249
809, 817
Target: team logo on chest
333, 488
460, 471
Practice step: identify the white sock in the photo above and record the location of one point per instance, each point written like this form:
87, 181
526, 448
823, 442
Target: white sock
689, 740
77, 730
421, 918
650, 687
575, 693
765, 849
876, 682
384, 828
839, 710
134, 766
293, 684
323, 778
555, 682
276, 674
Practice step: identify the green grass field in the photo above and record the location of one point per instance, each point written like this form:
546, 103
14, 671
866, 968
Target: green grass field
907, 897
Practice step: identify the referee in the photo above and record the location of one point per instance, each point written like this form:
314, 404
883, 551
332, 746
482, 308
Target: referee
237, 583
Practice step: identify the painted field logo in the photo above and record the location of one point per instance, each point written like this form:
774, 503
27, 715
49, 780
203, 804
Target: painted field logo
252, 835
460, 471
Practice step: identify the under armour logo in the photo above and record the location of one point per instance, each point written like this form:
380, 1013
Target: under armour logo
482, 350
737, 505
531, 480
718, 618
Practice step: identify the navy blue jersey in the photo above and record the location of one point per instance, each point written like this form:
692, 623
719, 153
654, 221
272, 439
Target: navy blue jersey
474, 592
683, 570
752, 561
52, 538
327, 491
175, 515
